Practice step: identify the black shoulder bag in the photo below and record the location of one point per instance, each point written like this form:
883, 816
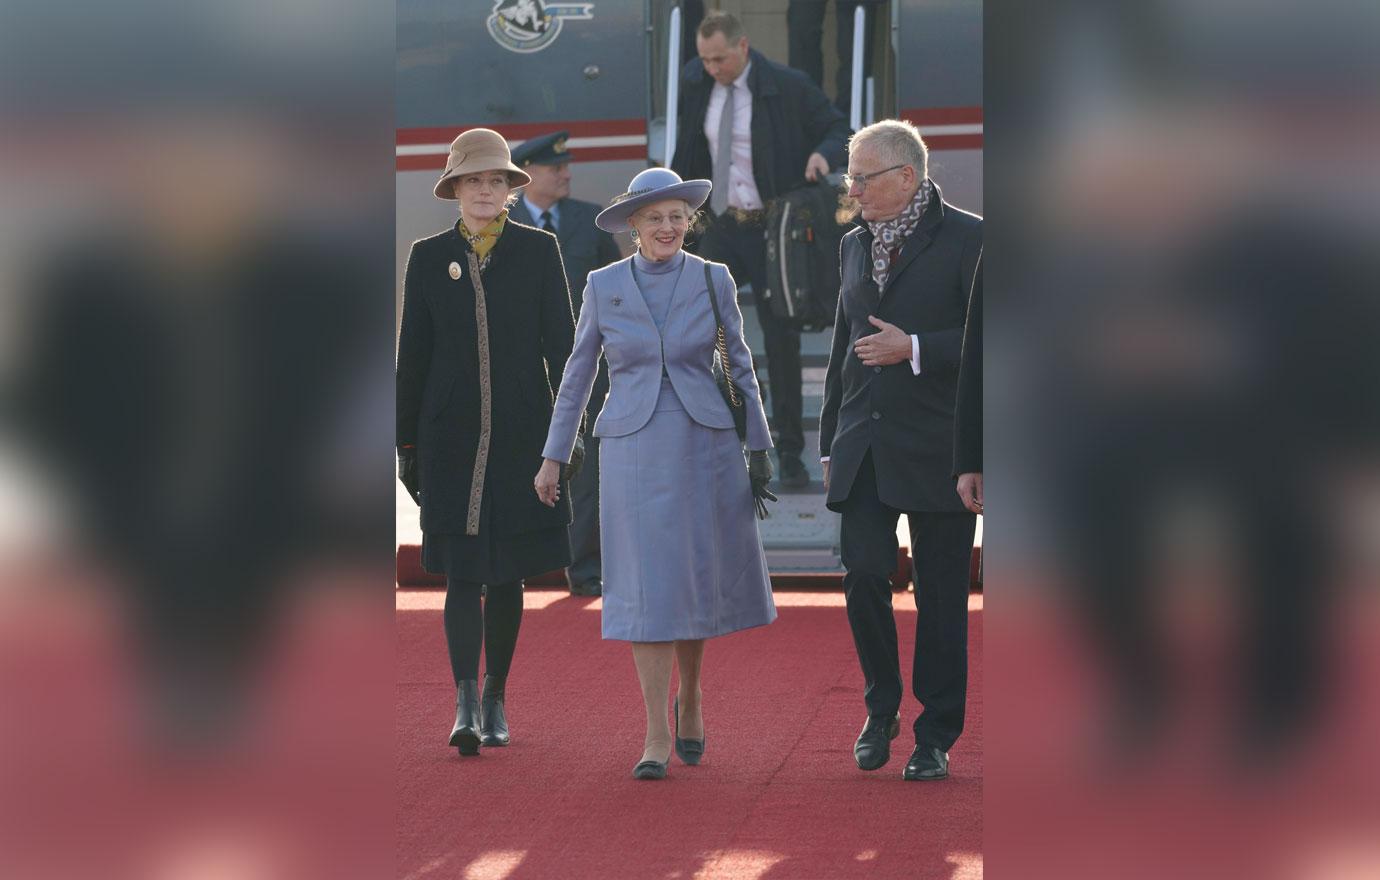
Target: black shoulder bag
759, 466
732, 396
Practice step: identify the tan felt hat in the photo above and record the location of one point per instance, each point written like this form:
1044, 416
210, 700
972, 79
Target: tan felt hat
479, 149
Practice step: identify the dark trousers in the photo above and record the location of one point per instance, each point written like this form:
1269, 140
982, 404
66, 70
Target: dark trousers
805, 26
585, 563
742, 247
941, 544
691, 14
473, 622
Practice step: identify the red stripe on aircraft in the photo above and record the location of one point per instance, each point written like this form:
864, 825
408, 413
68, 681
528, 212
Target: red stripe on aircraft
923, 116
954, 142
522, 130
420, 163
606, 154
437, 161
927, 117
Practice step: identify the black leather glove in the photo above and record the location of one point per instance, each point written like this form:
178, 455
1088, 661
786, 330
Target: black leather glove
407, 473
577, 459
759, 474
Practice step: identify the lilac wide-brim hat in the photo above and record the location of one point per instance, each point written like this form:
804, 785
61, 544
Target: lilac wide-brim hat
652, 185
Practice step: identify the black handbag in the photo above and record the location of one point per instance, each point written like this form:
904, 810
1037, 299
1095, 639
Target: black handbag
732, 396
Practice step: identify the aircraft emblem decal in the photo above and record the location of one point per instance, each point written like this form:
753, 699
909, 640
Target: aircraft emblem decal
532, 25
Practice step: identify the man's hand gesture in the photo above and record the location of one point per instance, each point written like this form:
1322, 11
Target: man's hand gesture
890, 345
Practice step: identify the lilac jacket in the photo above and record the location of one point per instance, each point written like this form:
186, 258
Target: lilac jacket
616, 321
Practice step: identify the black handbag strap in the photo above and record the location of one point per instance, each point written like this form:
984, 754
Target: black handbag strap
721, 341
713, 300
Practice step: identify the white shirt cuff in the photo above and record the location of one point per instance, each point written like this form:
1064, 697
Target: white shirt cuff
915, 354
824, 459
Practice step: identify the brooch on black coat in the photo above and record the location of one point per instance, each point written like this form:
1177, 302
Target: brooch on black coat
455, 271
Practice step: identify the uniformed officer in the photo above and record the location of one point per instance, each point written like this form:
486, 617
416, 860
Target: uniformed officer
546, 204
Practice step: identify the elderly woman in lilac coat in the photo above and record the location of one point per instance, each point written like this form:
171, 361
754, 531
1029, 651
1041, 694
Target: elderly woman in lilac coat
683, 558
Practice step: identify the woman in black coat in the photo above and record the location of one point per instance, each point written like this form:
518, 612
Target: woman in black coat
486, 331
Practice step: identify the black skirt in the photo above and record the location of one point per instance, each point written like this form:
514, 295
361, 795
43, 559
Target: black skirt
488, 559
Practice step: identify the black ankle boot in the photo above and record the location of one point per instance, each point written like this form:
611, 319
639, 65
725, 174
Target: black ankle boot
465, 736
493, 728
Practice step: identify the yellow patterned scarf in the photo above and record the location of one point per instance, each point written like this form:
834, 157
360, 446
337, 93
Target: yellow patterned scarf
484, 240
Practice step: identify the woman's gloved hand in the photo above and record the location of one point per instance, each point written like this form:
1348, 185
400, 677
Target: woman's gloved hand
407, 472
759, 474
577, 458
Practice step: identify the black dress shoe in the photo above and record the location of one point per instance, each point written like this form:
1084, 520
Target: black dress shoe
793, 473
650, 770
873, 748
593, 587
465, 735
927, 762
689, 750
493, 724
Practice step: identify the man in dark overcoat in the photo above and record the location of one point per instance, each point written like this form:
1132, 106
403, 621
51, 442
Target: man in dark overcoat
757, 129
887, 436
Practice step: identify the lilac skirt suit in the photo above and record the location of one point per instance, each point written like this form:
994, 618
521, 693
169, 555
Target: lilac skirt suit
682, 554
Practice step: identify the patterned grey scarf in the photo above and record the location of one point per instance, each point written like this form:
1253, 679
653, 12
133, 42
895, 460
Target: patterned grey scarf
888, 235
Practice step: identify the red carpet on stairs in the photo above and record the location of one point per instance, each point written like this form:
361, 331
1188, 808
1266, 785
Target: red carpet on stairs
777, 796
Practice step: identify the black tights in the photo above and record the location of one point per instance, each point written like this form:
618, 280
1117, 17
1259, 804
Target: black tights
470, 626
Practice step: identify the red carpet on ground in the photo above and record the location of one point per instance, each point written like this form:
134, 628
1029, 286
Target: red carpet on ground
777, 797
